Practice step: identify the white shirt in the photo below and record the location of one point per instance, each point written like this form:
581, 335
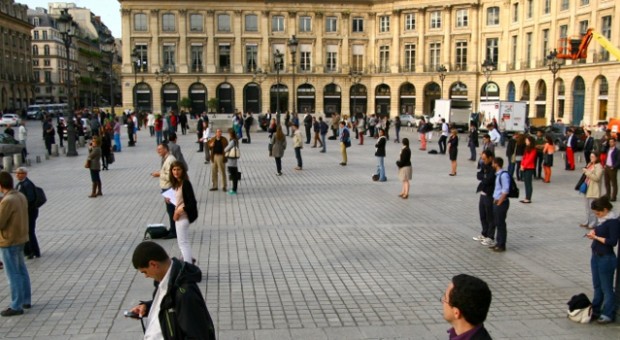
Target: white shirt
206, 134
495, 136
153, 329
445, 131
150, 120
21, 133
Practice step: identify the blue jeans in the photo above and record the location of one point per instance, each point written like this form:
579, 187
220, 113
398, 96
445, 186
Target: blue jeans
381, 168
117, 141
323, 140
398, 134
603, 268
158, 137
499, 214
17, 275
298, 157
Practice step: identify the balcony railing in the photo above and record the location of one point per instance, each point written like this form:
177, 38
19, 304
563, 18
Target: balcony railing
525, 65
306, 69
332, 70
383, 69
407, 69
223, 69
512, 66
169, 68
458, 67
197, 69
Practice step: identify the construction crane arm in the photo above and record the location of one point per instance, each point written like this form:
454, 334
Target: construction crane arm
606, 44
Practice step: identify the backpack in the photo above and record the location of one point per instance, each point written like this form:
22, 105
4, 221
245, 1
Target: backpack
513, 190
155, 231
39, 197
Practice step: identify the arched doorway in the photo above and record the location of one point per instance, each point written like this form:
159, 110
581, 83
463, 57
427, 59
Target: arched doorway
305, 99
332, 99
432, 92
458, 91
382, 100
358, 100
251, 98
489, 91
226, 98
143, 97
281, 91
198, 96
170, 97
579, 95
512, 91
541, 99
406, 99
603, 93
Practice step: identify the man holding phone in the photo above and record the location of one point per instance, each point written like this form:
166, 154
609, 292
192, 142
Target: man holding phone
178, 309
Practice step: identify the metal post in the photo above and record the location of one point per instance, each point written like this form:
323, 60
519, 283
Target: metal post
487, 67
442, 76
554, 67
292, 44
277, 62
65, 23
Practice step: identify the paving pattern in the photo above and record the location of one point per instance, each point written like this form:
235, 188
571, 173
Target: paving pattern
323, 253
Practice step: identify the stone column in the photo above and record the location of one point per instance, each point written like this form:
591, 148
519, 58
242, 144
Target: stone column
154, 48
210, 57
182, 66
395, 52
237, 48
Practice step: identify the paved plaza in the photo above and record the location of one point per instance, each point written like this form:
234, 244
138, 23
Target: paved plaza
323, 253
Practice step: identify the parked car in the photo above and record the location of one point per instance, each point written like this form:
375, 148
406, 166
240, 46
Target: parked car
407, 120
558, 133
9, 146
85, 125
10, 119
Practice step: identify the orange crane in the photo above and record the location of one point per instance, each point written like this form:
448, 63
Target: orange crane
574, 48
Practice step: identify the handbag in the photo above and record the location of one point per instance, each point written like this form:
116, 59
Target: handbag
582, 180
548, 159
233, 153
583, 188
87, 164
110, 158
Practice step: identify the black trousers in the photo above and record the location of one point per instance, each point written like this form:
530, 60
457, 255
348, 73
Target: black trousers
442, 143
308, 132
233, 173
485, 208
32, 246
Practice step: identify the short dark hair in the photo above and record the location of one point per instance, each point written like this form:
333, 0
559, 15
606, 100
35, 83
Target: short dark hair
499, 161
488, 153
472, 297
6, 180
165, 145
148, 251
172, 136
487, 136
405, 141
601, 204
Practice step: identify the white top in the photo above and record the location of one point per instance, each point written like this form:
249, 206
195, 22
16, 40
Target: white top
22, 133
445, 130
495, 136
206, 134
150, 119
153, 329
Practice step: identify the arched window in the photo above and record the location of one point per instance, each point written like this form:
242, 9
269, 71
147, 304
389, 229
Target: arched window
46, 50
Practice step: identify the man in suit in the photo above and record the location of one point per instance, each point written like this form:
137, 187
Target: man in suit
612, 163
26, 187
588, 145
571, 145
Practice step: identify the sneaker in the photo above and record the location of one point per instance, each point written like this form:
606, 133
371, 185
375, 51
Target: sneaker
278, 174
479, 238
488, 242
298, 168
603, 320
231, 192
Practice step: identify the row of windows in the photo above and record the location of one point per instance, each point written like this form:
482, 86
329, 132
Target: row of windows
529, 8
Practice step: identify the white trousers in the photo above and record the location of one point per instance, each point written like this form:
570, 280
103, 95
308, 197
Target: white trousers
183, 239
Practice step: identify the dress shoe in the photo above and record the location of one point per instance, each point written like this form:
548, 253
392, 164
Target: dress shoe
213, 189
11, 312
583, 225
498, 249
26, 306
343, 164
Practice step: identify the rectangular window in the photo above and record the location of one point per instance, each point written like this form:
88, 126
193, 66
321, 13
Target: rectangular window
47, 62
251, 57
35, 62
48, 76
492, 50
436, 19
515, 12
37, 76
167, 23
332, 58
142, 63
528, 50
583, 27
357, 63
305, 24
44, 35
530, 9
384, 23
277, 23
513, 52
169, 60
435, 53
195, 23
564, 5
331, 24
196, 55
281, 49
36, 35
563, 31
409, 21
224, 57
139, 22
251, 23
545, 43
223, 23
492, 16
409, 58
585, 2
358, 25
305, 58
547, 6
606, 32
461, 56
384, 59
462, 18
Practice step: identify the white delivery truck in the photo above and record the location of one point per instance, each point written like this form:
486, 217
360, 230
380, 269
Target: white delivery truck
509, 116
456, 113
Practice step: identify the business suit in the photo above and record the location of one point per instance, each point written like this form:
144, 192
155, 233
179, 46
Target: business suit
588, 146
612, 163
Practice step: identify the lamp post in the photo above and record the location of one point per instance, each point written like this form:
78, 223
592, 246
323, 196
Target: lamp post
292, 45
554, 67
259, 76
442, 76
278, 59
65, 23
356, 79
77, 76
163, 77
487, 68
135, 57
109, 46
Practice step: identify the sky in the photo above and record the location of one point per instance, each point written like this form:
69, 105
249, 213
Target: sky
108, 10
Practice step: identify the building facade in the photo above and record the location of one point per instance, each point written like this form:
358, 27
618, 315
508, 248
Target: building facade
366, 56
15, 57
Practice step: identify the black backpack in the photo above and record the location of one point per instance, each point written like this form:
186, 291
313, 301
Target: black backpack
39, 197
513, 191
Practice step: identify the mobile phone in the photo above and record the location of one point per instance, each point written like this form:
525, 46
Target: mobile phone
130, 314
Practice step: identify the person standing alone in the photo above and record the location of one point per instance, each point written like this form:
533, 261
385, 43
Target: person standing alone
297, 146
26, 187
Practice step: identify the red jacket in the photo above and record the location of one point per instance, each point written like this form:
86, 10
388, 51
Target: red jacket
529, 159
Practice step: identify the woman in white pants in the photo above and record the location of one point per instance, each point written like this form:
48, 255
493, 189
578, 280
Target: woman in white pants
186, 207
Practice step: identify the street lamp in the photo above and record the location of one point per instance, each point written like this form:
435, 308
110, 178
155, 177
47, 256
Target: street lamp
135, 57
109, 46
442, 76
163, 77
278, 60
554, 67
487, 68
259, 76
356, 79
91, 68
292, 45
65, 27
77, 76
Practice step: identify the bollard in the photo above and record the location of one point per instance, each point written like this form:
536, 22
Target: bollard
7, 163
17, 160
55, 150
64, 150
81, 141
47, 156
28, 162
38, 159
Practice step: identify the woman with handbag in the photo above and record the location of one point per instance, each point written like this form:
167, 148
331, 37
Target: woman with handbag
232, 155
278, 142
594, 175
186, 207
548, 150
404, 168
93, 164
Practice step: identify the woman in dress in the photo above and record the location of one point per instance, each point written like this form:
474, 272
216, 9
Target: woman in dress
528, 167
186, 207
453, 148
94, 166
404, 168
603, 261
278, 142
233, 142
106, 146
594, 176
548, 150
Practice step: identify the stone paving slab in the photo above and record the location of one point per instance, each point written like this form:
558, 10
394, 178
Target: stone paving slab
322, 253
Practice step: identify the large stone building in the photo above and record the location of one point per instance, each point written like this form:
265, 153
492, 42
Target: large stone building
225, 50
15, 57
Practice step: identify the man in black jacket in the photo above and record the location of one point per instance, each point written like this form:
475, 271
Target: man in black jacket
26, 187
466, 304
308, 126
178, 309
380, 154
486, 176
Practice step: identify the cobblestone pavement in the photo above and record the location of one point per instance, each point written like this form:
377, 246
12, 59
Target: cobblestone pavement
323, 253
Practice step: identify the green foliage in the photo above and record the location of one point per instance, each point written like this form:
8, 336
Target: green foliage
213, 103
185, 102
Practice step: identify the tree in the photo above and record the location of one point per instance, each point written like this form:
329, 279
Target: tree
213, 103
185, 103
